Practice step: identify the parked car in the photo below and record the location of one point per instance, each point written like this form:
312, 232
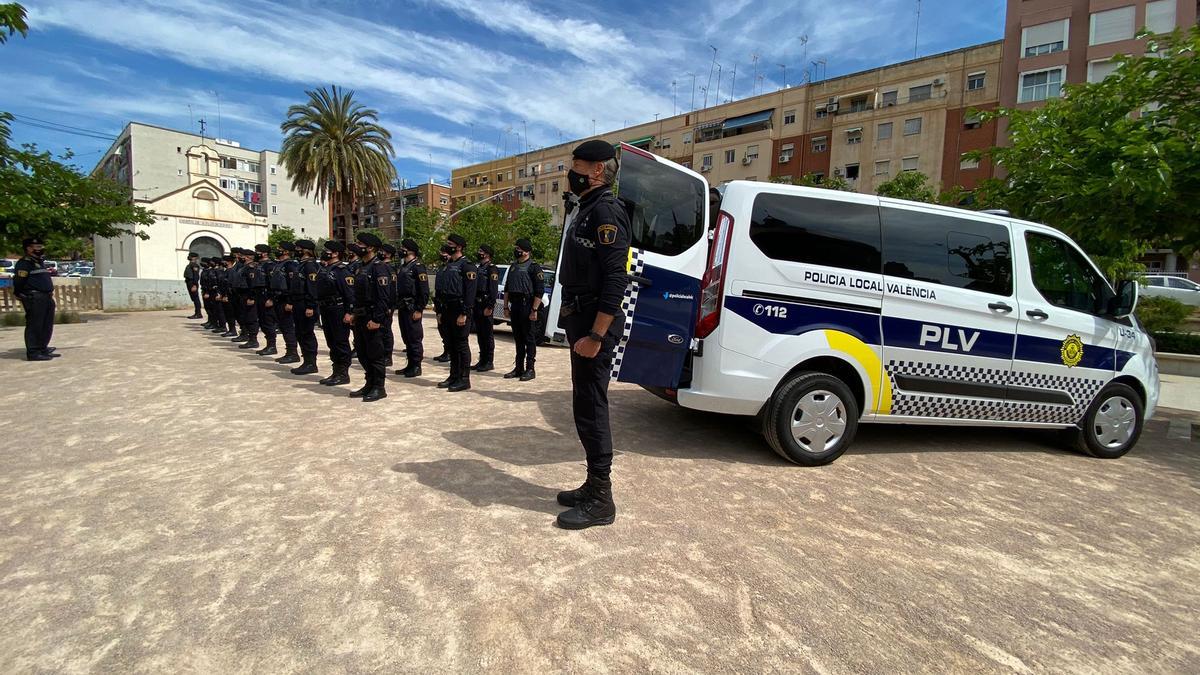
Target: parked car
1178, 288
6, 266
81, 271
51, 265
498, 315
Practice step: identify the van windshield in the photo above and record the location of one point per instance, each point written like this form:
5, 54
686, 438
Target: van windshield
665, 205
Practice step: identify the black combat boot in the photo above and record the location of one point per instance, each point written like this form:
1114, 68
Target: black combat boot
413, 369
387, 363
359, 393
374, 393
270, 350
444, 358
252, 343
341, 375
307, 368
446, 383
484, 365
528, 375
595, 508
514, 373
461, 384
571, 498
290, 356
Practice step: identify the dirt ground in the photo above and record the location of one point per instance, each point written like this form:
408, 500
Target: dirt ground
170, 504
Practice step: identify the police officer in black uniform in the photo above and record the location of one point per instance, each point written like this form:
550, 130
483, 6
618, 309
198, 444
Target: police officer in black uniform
523, 289
444, 357
35, 289
335, 297
372, 309
191, 277
485, 304
225, 293
238, 290
455, 297
253, 298
386, 254
302, 295
205, 285
412, 294
594, 276
283, 277
266, 301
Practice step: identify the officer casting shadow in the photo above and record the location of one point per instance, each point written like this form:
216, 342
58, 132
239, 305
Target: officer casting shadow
481, 484
522, 446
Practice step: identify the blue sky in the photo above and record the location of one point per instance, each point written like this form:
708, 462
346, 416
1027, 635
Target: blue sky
455, 81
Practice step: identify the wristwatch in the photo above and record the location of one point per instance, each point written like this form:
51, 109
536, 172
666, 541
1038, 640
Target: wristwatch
596, 336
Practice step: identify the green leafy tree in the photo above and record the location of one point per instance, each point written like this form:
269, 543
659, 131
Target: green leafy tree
534, 223
279, 235
12, 21
910, 185
826, 182
1159, 314
335, 149
41, 195
424, 226
1115, 164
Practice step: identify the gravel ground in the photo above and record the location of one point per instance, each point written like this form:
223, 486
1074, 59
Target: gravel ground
171, 504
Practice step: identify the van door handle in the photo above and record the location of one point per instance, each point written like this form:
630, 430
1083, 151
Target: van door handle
641, 281
1037, 314
999, 306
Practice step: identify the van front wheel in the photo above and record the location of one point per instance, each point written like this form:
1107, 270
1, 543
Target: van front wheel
812, 419
1113, 423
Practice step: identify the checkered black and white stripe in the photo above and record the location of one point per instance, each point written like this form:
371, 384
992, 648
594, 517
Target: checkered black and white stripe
628, 305
1082, 391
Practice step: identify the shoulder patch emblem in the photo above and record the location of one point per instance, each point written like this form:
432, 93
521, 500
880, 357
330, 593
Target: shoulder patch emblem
495, 277
607, 234
541, 276
423, 277
384, 281
312, 277
23, 273
349, 281
471, 276
1072, 351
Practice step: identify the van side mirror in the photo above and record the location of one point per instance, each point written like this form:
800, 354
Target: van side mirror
1125, 301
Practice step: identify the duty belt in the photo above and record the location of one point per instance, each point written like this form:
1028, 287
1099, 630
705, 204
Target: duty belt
335, 302
578, 304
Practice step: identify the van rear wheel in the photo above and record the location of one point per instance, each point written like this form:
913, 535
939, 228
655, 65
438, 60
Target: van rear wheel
1112, 424
812, 419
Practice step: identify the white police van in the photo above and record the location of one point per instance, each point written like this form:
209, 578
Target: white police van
816, 310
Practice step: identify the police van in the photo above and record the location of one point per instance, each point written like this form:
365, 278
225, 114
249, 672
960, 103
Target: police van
817, 310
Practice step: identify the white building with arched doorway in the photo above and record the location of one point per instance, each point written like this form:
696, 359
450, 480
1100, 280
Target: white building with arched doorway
199, 217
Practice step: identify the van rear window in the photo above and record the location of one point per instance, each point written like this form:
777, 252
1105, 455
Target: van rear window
817, 231
666, 206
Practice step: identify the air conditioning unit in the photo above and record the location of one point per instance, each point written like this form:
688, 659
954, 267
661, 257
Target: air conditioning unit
937, 82
705, 168
746, 161
831, 108
833, 100
784, 159
658, 144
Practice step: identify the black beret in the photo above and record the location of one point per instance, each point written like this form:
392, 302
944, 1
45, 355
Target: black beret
356, 249
262, 248
287, 246
335, 246
488, 250
524, 244
594, 151
193, 254
388, 249
457, 240
368, 239
31, 241
410, 245
229, 257
306, 244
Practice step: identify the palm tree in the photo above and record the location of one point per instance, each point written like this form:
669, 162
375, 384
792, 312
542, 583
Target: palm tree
335, 149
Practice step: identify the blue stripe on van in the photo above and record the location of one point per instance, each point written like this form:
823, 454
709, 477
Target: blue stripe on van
1046, 350
906, 333
797, 318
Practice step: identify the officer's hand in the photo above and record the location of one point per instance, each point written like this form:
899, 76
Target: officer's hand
287, 308
507, 310
371, 325
462, 320
250, 302
206, 296
269, 303
586, 347
488, 311
308, 313
533, 315
348, 319
192, 289
416, 316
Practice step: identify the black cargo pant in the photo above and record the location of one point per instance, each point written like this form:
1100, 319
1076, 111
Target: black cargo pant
589, 391
458, 340
306, 333
411, 332
39, 321
194, 293
485, 333
286, 323
218, 313
233, 311
250, 315
523, 333
389, 339
369, 345
337, 335
268, 319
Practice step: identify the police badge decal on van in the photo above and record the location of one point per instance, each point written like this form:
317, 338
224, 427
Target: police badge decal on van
1072, 351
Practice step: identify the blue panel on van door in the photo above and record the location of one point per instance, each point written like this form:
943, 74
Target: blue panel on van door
664, 321
1045, 350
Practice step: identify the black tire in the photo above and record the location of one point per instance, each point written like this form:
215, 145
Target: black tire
783, 409
1114, 401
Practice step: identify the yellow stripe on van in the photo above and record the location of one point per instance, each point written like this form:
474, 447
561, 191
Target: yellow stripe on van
881, 385
629, 261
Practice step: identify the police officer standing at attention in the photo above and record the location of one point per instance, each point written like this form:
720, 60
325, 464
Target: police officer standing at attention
523, 288
283, 274
485, 303
455, 292
206, 291
444, 357
412, 294
385, 254
267, 317
35, 289
334, 288
255, 294
372, 309
238, 290
593, 273
304, 306
191, 277
225, 293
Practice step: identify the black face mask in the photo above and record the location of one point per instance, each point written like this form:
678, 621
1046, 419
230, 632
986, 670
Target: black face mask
327, 256
577, 182
449, 250
39, 253
517, 253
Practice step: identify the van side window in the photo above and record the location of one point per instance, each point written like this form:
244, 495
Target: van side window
1064, 277
817, 231
666, 206
956, 252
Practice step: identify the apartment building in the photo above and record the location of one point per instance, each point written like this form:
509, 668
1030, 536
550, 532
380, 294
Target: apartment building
866, 127
209, 194
386, 212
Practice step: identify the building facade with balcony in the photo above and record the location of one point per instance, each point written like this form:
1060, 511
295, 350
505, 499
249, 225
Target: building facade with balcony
386, 212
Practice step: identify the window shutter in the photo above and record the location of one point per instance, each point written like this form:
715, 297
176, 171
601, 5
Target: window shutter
1045, 33
1112, 26
1098, 70
1160, 16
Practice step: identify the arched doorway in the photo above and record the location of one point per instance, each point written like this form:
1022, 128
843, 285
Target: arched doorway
206, 247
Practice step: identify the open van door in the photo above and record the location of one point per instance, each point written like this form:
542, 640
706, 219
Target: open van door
669, 240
